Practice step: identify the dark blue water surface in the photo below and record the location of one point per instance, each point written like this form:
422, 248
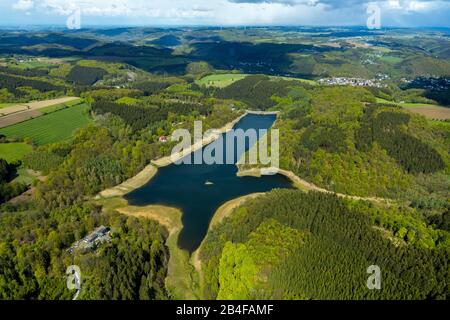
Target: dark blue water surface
183, 186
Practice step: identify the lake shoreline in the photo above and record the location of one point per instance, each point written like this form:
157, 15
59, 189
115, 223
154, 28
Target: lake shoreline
167, 161
224, 211
184, 278
302, 184
147, 174
181, 276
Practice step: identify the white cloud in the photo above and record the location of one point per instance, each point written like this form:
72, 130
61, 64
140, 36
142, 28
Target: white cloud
23, 5
129, 8
237, 12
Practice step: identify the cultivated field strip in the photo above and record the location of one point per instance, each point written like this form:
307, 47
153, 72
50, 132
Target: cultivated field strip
18, 117
432, 112
34, 105
53, 127
23, 112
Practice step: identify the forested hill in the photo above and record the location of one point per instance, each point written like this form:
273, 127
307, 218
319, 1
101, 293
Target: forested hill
34, 256
294, 245
342, 140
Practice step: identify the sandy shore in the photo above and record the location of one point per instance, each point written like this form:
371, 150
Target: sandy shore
179, 280
263, 113
183, 269
303, 184
227, 208
150, 171
131, 184
167, 161
168, 217
224, 211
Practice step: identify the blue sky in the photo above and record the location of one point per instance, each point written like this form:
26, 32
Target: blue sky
403, 13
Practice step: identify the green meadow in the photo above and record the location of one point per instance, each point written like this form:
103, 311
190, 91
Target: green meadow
220, 80
405, 105
60, 106
12, 152
391, 59
224, 80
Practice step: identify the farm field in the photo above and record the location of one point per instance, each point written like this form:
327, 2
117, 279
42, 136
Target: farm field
353, 198
20, 113
429, 111
36, 105
311, 82
60, 106
391, 59
12, 152
224, 80
220, 80
50, 128
18, 117
405, 105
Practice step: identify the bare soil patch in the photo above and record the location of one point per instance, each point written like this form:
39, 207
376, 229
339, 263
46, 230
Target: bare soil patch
432, 112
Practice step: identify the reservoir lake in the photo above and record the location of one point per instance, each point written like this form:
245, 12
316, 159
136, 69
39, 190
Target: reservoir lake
198, 190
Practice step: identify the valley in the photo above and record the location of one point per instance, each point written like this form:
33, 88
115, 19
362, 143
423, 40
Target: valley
86, 125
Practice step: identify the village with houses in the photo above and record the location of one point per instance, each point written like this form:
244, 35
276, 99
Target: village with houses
354, 82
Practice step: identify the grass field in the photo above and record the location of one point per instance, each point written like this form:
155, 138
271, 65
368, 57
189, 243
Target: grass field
128, 100
311, 82
224, 80
391, 59
14, 151
220, 80
429, 111
405, 105
50, 128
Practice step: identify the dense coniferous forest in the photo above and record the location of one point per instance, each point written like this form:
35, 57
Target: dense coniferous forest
14, 84
85, 75
140, 117
34, 255
385, 128
339, 242
25, 72
151, 87
256, 91
340, 139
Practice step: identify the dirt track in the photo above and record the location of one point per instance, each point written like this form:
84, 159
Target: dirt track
34, 105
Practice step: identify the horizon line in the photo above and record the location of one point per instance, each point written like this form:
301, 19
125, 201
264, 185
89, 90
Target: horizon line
88, 26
